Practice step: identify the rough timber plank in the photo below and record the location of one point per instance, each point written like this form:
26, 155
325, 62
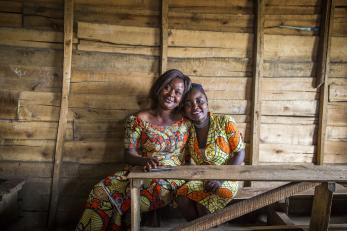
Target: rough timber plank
321, 208
322, 77
297, 173
119, 34
288, 134
337, 93
58, 155
243, 207
10, 19
164, 35
258, 57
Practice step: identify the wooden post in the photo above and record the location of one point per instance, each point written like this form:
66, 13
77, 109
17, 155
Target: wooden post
243, 207
135, 204
58, 157
322, 74
256, 82
164, 35
321, 208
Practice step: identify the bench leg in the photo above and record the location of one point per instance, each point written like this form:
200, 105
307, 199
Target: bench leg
135, 204
321, 208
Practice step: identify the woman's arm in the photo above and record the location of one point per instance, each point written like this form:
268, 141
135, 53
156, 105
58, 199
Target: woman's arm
133, 158
238, 158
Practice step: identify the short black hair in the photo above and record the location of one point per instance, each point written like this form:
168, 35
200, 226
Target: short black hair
198, 87
164, 80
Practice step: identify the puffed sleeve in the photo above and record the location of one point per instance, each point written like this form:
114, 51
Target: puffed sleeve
233, 135
132, 133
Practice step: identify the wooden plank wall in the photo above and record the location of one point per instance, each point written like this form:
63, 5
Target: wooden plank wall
116, 57
336, 143
212, 42
288, 131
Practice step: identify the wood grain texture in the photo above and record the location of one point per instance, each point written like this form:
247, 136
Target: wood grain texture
322, 206
58, 155
258, 58
297, 173
322, 75
243, 207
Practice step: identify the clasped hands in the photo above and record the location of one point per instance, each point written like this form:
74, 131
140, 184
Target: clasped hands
150, 163
153, 162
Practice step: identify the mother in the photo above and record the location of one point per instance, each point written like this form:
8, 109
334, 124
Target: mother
153, 137
214, 140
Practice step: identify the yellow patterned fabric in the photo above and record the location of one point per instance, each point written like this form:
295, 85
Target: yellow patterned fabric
223, 141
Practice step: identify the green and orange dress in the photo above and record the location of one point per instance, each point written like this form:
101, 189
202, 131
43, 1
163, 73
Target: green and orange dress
223, 141
109, 200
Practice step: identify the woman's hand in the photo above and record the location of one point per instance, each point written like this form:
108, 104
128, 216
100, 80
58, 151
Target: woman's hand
212, 185
149, 163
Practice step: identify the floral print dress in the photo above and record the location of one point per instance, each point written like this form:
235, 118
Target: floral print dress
109, 200
223, 141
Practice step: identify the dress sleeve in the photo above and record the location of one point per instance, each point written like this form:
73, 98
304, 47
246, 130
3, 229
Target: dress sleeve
233, 135
132, 133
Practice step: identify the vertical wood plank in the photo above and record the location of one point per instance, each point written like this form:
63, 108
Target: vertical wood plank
164, 35
322, 77
321, 208
135, 204
256, 83
68, 36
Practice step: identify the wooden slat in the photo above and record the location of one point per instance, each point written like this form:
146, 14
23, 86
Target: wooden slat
336, 173
164, 35
256, 83
288, 134
10, 19
277, 218
58, 156
289, 107
286, 153
337, 93
321, 208
338, 51
243, 207
322, 77
8, 104
135, 204
119, 34
286, 47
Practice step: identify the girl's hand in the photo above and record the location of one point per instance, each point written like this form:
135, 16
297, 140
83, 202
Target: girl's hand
212, 185
150, 162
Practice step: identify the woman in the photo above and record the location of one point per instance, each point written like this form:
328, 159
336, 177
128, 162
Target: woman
154, 137
214, 140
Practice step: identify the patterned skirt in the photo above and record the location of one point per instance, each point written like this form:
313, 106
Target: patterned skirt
194, 190
108, 204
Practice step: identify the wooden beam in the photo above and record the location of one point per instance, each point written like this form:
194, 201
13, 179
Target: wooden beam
164, 35
135, 204
277, 218
58, 157
256, 83
293, 173
321, 208
322, 77
243, 207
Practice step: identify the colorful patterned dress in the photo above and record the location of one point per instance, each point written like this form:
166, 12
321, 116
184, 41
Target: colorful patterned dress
109, 200
222, 142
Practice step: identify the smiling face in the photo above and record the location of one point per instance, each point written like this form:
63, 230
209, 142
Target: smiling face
196, 106
171, 94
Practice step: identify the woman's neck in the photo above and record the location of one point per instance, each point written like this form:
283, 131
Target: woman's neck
202, 124
165, 116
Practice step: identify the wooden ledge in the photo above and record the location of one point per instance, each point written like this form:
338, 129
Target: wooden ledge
292, 173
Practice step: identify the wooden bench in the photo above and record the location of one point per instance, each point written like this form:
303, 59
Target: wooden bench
302, 178
9, 199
